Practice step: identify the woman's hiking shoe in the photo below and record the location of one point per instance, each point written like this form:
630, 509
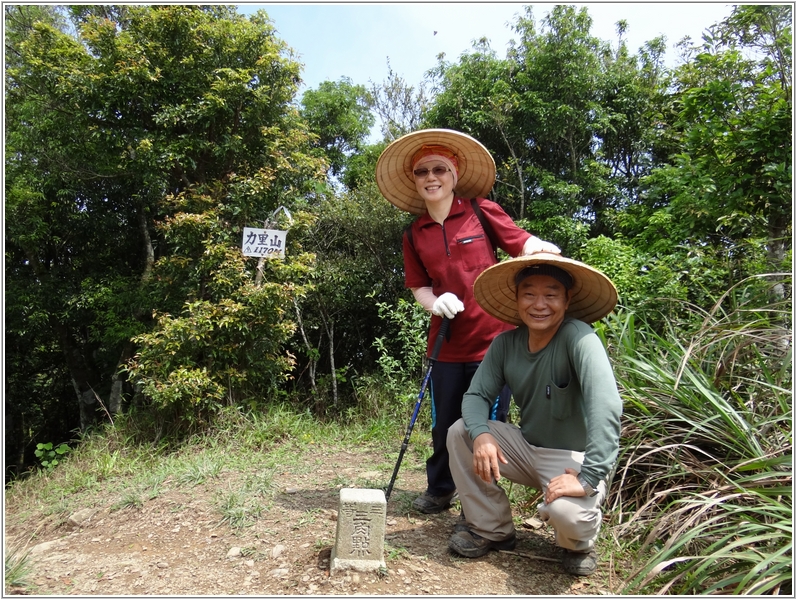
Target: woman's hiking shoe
580, 563
428, 504
472, 545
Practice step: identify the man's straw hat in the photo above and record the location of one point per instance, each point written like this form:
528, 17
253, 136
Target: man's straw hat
592, 297
394, 169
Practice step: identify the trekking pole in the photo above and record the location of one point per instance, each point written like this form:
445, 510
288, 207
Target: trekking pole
435, 351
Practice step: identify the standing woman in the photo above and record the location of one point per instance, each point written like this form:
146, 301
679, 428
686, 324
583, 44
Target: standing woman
443, 175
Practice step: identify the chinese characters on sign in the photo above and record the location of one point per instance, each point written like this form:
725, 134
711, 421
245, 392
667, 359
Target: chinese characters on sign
267, 243
361, 530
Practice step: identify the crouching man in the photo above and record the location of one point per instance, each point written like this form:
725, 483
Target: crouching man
562, 382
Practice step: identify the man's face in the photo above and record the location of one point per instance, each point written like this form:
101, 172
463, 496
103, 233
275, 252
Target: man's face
541, 303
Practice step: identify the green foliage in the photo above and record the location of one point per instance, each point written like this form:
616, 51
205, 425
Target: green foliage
571, 123
138, 146
198, 471
128, 500
193, 363
48, 456
729, 177
238, 509
641, 281
735, 540
356, 238
410, 323
399, 106
705, 464
360, 167
567, 233
338, 113
400, 360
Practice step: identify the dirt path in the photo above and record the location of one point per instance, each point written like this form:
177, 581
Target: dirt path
177, 544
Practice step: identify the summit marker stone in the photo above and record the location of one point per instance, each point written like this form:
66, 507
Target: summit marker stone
360, 536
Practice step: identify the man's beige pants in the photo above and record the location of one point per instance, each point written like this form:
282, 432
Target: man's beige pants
576, 521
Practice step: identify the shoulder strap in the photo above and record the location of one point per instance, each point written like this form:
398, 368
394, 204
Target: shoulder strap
408, 233
488, 229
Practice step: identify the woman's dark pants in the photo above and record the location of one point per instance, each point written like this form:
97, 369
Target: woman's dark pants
449, 382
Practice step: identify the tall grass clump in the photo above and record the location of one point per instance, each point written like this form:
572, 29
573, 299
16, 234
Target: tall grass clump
17, 571
703, 490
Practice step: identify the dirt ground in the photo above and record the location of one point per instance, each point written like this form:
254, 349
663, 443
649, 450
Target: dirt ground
176, 544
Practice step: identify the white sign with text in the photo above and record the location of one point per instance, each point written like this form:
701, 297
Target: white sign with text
266, 243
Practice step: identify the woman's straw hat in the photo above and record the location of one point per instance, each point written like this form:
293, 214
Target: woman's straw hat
592, 297
394, 169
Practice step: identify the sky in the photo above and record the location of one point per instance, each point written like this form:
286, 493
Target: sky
355, 40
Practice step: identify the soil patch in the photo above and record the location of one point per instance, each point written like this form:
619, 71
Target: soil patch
178, 543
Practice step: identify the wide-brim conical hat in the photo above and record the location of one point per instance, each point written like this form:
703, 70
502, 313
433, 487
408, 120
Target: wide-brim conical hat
394, 169
592, 297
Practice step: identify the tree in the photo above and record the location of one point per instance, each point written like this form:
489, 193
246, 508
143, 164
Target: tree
19, 21
560, 76
339, 114
357, 243
136, 152
570, 123
398, 105
728, 184
633, 93
475, 96
766, 29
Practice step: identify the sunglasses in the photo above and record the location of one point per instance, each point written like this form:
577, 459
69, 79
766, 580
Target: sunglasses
437, 171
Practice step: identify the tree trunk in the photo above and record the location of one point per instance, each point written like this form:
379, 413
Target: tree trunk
310, 350
117, 381
148, 249
330, 327
776, 253
115, 399
517, 166
87, 401
84, 378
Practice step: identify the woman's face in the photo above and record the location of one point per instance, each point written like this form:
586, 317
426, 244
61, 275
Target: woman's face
432, 187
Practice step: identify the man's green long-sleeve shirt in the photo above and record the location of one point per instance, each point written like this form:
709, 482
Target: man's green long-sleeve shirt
566, 393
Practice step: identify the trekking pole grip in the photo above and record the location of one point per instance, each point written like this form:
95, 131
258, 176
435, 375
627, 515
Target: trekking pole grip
441, 335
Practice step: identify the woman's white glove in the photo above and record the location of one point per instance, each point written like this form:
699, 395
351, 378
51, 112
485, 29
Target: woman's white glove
535, 244
447, 305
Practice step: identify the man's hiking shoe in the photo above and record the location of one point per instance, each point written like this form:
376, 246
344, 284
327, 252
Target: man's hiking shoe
472, 545
580, 563
428, 504
461, 524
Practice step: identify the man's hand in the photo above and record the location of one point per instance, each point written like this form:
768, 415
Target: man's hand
447, 305
563, 485
486, 455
